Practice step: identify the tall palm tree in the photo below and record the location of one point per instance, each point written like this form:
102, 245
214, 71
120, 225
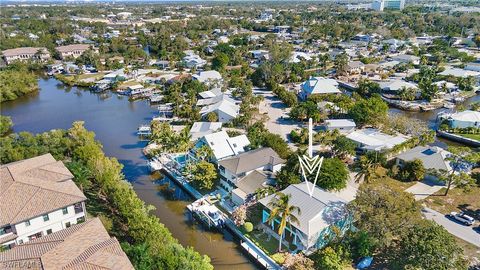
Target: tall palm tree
282, 209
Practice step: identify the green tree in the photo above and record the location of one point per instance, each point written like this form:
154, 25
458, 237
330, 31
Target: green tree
281, 208
407, 93
220, 61
372, 111
211, 117
384, 213
413, 170
5, 124
343, 146
333, 174
429, 246
341, 63
204, 174
367, 87
139, 256
328, 259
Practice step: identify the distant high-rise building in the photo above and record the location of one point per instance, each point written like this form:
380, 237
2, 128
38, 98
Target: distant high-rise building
394, 4
379, 5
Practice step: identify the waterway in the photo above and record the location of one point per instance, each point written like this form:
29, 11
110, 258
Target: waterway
114, 120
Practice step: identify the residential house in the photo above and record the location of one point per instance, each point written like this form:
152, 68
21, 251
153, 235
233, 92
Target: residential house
221, 145
342, 125
233, 169
355, 67
406, 58
211, 78
192, 60
74, 50
319, 212
200, 129
394, 86
472, 67
318, 85
223, 106
465, 119
460, 73
25, 54
371, 139
37, 198
432, 157
249, 184
81, 246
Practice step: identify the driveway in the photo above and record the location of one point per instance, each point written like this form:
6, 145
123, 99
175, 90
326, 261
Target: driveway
277, 113
422, 190
459, 230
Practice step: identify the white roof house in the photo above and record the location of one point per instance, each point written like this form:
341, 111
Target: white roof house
465, 119
210, 93
318, 212
458, 72
200, 129
373, 139
192, 60
297, 57
343, 125
225, 109
208, 77
396, 85
318, 85
223, 145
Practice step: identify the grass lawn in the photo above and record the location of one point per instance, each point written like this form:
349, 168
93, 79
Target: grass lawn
470, 250
126, 84
383, 178
268, 244
457, 199
470, 136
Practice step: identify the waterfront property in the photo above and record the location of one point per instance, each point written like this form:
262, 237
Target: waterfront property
222, 145
318, 85
37, 198
234, 169
465, 119
81, 246
73, 50
25, 54
200, 129
318, 213
373, 139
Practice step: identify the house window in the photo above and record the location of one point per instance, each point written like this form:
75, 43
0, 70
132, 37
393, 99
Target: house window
20, 241
67, 225
78, 208
65, 210
222, 169
80, 219
49, 231
27, 223
46, 218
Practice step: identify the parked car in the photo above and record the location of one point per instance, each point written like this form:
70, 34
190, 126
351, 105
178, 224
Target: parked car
462, 217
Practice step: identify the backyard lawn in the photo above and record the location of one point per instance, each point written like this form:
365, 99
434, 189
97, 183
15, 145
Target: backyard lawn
456, 200
470, 136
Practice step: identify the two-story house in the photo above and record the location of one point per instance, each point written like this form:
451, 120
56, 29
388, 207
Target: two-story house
234, 169
37, 198
318, 85
73, 50
221, 145
25, 54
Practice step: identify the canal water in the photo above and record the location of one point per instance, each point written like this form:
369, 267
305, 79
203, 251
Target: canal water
114, 119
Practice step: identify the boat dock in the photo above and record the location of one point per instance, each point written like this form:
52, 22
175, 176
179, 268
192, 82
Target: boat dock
260, 257
207, 212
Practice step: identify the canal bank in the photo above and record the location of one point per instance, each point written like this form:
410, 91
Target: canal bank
114, 120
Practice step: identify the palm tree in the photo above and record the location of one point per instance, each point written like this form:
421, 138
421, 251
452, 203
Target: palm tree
281, 208
368, 166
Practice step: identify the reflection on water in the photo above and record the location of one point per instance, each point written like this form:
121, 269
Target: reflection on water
114, 120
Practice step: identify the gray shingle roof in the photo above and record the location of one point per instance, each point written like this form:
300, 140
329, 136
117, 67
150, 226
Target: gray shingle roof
251, 160
432, 157
250, 183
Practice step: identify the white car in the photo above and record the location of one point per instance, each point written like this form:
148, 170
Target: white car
462, 217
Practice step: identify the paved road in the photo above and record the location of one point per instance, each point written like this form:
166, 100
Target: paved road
277, 112
459, 230
421, 190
